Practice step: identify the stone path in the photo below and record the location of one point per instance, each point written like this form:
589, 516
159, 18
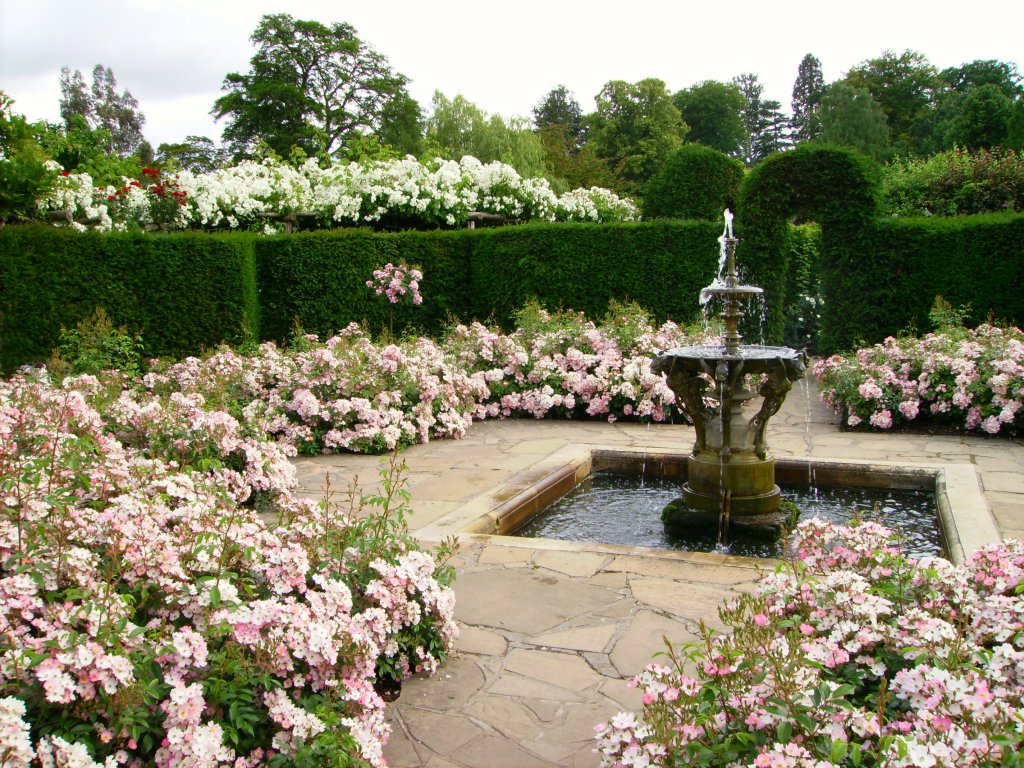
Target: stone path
552, 631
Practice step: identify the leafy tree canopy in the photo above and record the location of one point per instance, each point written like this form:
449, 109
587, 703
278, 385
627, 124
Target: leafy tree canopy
636, 127
196, 153
848, 116
984, 72
458, 127
24, 175
311, 86
904, 85
983, 119
714, 112
102, 108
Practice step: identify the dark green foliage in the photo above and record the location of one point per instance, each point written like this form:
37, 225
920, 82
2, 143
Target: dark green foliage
318, 280
887, 279
179, 291
984, 118
803, 287
836, 187
715, 113
958, 182
185, 291
662, 265
697, 182
807, 90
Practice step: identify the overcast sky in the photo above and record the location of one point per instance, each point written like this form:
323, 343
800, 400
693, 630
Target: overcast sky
503, 56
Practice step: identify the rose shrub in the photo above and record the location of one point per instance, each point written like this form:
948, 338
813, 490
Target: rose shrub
973, 379
351, 394
167, 601
252, 195
850, 655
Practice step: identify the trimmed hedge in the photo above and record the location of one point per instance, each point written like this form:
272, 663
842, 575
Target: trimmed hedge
696, 182
182, 291
889, 272
317, 280
661, 265
837, 187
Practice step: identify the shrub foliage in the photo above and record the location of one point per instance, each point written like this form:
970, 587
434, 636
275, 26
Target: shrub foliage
696, 182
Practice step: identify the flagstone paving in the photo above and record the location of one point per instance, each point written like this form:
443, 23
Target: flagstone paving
551, 632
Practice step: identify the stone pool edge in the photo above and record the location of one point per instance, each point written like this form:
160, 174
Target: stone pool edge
966, 520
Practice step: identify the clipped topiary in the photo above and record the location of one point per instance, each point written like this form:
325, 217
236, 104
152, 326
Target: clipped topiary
696, 182
835, 186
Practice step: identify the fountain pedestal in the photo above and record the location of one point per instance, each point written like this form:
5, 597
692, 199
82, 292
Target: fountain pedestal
730, 473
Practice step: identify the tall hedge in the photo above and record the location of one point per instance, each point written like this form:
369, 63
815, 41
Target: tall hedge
836, 187
317, 280
899, 266
182, 291
662, 265
696, 182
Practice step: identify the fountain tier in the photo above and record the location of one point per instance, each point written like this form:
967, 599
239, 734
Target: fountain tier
730, 471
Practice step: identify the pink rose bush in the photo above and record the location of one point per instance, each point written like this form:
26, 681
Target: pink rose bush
166, 599
850, 655
973, 379
351, 394
397, 282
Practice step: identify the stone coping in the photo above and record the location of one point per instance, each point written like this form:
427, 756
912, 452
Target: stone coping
966, 521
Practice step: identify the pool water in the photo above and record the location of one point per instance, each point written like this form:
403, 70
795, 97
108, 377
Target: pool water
626, 509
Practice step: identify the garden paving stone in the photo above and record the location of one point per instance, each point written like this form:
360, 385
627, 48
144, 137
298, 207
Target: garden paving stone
573, 563
562, 669
534, 602
586, 638
498, 753
441, 734
644, 637
480, 641
504, 698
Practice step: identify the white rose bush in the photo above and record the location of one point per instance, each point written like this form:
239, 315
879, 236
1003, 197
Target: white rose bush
256, 195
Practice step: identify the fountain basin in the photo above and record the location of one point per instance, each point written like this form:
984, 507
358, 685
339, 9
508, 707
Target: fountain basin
964, 516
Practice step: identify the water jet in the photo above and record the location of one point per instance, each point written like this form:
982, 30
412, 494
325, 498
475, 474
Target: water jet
731, 472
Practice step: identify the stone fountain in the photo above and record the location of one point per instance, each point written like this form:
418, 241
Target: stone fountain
730, 472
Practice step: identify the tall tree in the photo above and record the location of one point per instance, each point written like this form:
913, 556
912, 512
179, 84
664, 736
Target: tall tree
904, 85
559, 107
311, 86
984, 72
850, 117
765, 126
196, 153
714, 112
807, 90
984, 118
102, 108
636, 127
458, 127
